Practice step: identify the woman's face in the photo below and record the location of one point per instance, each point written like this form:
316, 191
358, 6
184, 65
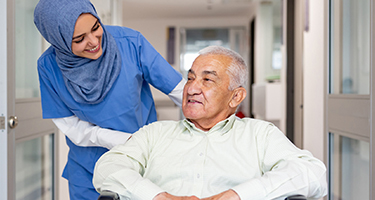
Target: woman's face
87, 37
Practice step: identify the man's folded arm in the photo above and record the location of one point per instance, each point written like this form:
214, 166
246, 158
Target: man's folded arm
287, 170
306, 177
122, 172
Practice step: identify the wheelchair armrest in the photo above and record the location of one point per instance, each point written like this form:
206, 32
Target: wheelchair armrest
296, 197
108, 195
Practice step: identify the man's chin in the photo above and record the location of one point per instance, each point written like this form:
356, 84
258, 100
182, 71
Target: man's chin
191, 115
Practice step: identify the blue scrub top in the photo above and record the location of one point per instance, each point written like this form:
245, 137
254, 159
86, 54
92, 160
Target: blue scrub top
127, 107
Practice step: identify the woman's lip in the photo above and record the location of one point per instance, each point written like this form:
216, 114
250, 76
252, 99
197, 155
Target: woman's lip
95, 49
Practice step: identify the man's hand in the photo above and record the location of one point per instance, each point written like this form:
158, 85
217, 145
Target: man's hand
166, 196
227, 195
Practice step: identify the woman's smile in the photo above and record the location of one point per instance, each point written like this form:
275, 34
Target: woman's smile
95, 49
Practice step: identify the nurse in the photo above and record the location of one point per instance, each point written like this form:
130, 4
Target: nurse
94, 83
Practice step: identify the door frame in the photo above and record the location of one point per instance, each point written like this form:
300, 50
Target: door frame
11, 107
372, 100
3, 103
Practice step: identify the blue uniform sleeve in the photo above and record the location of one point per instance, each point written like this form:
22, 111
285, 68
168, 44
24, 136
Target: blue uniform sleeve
52, 105
157, 71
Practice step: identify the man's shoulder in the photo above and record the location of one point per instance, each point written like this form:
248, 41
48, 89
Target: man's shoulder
253, 121
160, 129
163, 124
254, 124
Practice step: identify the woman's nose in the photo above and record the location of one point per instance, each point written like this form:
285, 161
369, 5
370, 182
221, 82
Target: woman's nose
92, 40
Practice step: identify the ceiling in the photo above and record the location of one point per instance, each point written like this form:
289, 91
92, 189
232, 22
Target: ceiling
144, 9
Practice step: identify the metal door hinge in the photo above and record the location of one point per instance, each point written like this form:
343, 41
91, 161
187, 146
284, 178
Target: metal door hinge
2, 123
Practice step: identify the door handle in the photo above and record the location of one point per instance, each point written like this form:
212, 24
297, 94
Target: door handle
13, 121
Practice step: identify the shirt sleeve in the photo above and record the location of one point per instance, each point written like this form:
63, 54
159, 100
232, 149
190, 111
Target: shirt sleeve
85, 134
176, 94
287, 170
157, 71
52, 105
121, 169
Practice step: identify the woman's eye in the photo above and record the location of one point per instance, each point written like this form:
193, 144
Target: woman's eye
96, 28
79, 41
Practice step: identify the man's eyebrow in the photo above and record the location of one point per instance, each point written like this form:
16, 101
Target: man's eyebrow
210, 72
206, 72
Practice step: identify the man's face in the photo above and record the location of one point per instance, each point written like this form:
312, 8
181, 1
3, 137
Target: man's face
206, 94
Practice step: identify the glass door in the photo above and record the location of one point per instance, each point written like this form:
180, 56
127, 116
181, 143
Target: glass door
349, 103
31, 140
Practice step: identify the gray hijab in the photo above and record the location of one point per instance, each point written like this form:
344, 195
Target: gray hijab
87, 80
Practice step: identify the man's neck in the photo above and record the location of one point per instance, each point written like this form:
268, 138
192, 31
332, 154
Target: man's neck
207, 124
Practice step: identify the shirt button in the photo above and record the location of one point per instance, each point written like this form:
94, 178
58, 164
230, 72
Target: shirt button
198, 176
201, 154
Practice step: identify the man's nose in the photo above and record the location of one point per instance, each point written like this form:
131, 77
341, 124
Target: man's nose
195, 87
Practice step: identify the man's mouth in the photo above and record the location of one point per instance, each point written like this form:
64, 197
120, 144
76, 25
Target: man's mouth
193, 101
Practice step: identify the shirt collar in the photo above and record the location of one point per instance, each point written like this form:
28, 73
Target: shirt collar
223, 126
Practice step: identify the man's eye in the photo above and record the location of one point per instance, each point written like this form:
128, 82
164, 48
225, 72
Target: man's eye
207, 79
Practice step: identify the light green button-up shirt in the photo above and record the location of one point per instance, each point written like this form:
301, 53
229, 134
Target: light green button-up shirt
252, 157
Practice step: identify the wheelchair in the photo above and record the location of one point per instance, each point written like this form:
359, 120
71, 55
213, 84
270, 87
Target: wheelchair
108, 195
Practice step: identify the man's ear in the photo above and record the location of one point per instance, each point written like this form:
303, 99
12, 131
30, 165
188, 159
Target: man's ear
238, 96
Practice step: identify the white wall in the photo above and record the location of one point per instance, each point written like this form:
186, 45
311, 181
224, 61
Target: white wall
314, 80
263, 41
264, 47
62, 154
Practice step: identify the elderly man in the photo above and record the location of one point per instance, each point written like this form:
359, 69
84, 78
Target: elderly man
211, 154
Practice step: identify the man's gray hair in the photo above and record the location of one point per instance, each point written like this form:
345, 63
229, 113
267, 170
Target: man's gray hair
237, 70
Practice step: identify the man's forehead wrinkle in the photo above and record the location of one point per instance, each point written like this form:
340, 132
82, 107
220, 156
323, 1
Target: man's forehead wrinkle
205, 72
213, 72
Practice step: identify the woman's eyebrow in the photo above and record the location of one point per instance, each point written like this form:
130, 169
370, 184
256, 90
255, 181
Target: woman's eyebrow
97, 21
